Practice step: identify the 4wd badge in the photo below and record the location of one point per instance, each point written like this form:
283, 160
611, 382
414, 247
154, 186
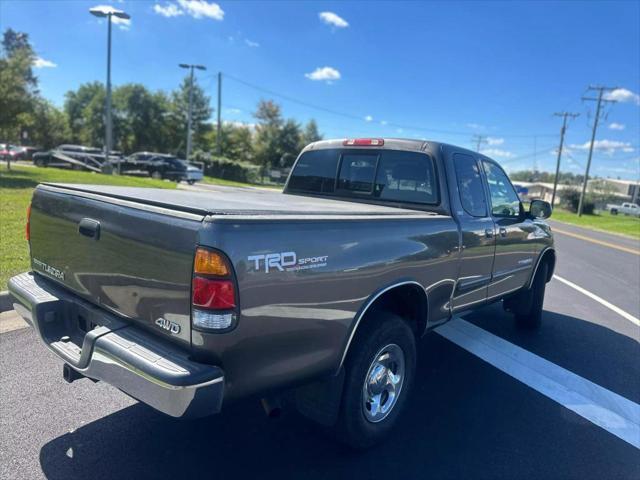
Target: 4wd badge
168, 325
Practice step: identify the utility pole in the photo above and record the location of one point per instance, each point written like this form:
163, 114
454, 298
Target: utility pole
601, 91
563, 130
479, 139
219, 128
189, 113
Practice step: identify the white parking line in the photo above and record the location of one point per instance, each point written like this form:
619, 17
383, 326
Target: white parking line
600, 300
604, 408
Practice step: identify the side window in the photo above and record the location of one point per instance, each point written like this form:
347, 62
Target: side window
406, 177
504, 199
357, 172
470, 186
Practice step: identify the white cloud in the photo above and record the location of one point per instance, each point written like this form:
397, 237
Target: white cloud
40, 62
475, 126
495, 141
623, 95
332, 19
194, 8
202, 8
399, 130
251, 43
233, 111
607, 146
169, 10
497, 153
383, 122
368, 118
616, 126
327, 74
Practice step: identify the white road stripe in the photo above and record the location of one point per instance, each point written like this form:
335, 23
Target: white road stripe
604, 408
600, 300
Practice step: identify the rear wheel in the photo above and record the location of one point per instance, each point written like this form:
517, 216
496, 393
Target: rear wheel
156, 174
614, 211
378, 378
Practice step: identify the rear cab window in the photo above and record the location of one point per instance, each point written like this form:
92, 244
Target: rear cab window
383, 175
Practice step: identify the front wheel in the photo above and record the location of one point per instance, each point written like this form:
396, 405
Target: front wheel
527, 305
156, 175
378, 378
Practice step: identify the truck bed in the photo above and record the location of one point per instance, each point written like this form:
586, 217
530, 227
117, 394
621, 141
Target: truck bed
237, 201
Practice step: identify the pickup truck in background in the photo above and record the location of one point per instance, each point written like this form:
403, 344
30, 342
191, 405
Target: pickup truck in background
626, 209
189, 300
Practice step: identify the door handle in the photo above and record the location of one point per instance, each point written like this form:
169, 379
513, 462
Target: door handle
488, 232
89, 228
503, 232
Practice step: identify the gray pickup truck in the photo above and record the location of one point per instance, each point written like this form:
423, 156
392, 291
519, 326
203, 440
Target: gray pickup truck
187, 300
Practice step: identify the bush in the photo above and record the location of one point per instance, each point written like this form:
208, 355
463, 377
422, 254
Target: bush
221, 167
571, 200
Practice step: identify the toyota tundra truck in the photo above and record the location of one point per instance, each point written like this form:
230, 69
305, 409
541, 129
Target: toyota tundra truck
189, 300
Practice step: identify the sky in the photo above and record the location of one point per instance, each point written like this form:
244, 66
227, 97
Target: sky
442, 71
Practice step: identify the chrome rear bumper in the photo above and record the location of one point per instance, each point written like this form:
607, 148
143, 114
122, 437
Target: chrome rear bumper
101, 346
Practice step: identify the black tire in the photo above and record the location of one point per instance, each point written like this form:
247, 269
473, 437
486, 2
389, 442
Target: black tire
156, 175
353, 428
191, 182
614, 211
528, 304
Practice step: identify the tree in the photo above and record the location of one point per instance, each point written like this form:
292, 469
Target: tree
237, 142
289, 140
49, 126
85, 113
18, 85
178, 113
310, 133
267, 141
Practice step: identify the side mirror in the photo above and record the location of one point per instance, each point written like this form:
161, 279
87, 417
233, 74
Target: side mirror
540, 209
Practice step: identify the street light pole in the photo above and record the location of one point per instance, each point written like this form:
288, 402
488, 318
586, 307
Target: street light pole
189, 112
108, 128
108, 12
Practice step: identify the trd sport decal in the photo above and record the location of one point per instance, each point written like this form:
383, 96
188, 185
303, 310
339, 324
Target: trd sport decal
286, 262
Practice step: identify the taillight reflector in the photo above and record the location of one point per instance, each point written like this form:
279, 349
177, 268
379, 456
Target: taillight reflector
213, 294
28, 225
363, 142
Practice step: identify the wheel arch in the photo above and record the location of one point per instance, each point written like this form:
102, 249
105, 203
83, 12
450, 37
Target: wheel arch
547, 255
406, 298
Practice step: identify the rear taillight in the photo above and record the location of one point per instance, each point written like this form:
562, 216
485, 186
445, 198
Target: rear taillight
28, 225
363, 142
213, 292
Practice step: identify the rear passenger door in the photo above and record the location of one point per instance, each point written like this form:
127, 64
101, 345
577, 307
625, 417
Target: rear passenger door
515, 239
477, 230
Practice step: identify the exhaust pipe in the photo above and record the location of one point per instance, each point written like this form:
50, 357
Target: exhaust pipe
69, 374
272, 407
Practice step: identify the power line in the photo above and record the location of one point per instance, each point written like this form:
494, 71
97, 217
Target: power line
361, 118
479, 140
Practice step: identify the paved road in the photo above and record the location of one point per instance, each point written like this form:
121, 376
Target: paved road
466, 418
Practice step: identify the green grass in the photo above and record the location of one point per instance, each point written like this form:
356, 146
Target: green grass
233, 183
619, 224
16, 188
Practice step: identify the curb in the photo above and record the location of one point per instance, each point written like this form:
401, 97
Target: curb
6, 302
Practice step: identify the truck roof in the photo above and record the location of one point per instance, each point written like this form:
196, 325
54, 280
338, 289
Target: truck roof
409, 144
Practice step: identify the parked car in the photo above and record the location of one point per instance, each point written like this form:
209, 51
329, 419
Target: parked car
77, 157
8, 152
161, 166
190, 300
626, 208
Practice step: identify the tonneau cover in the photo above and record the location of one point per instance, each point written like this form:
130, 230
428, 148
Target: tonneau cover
238, 201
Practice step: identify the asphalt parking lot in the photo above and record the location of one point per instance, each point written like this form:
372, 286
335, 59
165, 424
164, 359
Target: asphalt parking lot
490, 402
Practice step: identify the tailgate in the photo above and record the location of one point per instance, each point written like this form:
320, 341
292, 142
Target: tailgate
133, 259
